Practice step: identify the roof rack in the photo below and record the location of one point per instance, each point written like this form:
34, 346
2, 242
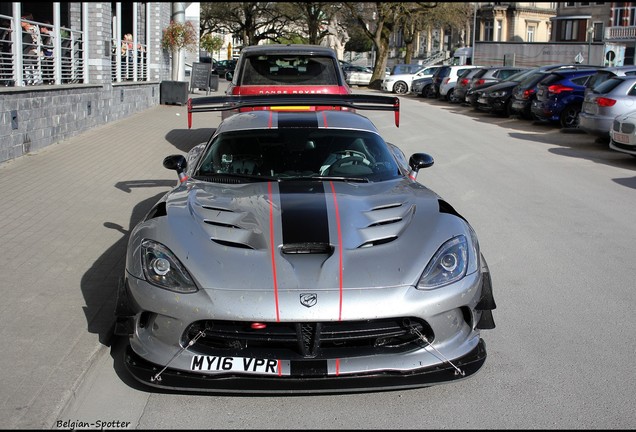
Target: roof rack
353, 101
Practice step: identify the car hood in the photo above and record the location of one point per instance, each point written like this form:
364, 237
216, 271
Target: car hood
294, 235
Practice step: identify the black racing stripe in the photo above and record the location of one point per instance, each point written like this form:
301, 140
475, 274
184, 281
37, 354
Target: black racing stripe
303, 212
297, 120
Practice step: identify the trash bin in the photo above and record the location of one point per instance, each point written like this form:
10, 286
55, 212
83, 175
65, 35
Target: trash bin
214, 81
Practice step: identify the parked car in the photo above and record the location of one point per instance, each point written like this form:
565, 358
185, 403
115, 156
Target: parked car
476, 92
559, 96
227, 290
225, 68
623, 133
463, 83
499, 99
606, 73
401, 83
605, 102
524, 95
286, 69
447, 79
422, 86
358, 75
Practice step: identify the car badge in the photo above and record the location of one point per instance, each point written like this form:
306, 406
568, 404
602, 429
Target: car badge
308, 299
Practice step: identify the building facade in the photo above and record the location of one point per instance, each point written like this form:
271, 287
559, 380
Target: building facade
73, 66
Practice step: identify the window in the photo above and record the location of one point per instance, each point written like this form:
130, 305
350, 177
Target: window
488, 30
499, 30
569, 30
598, 32
532, 29
623, 15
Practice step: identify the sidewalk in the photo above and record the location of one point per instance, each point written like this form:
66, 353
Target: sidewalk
64, 220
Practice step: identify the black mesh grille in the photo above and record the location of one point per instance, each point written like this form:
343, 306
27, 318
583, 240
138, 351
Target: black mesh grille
286, 340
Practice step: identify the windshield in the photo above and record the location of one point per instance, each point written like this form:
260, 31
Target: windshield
298, 153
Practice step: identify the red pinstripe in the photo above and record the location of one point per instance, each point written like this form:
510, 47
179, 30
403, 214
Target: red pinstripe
273, 247
335, 204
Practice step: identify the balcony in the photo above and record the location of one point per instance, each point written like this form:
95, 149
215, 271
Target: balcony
620, 33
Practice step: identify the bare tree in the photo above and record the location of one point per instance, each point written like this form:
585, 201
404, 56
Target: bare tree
378, 20
312, 19
251, 22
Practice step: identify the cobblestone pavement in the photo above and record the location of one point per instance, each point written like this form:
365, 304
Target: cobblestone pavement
65, 214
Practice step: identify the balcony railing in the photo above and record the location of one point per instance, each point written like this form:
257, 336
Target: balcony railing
620, 33
30, 57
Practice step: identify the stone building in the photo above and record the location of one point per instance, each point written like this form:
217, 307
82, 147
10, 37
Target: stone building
52, 88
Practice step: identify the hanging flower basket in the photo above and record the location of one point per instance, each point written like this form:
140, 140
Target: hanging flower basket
179, 36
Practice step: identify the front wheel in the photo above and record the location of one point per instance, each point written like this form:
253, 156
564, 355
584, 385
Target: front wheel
570, 117
400, 87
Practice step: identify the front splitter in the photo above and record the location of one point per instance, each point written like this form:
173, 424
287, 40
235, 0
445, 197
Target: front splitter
172, 379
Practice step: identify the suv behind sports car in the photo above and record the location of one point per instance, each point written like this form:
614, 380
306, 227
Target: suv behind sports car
287, 69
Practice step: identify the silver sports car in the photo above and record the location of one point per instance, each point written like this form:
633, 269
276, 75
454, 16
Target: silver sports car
298, 253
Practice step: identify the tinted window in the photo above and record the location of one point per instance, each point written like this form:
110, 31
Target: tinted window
607, 86
480, 73
289, 69
503, 74
532, 80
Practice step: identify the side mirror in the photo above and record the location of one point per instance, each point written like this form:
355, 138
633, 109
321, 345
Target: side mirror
417, 161
177, 163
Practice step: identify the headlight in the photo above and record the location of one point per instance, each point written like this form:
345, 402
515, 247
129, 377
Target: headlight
163, 269
499, 93
452, 261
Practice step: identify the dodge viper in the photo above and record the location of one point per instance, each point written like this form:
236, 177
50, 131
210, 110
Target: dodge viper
298, 253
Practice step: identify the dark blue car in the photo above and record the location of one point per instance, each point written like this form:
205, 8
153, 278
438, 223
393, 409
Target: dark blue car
560, 95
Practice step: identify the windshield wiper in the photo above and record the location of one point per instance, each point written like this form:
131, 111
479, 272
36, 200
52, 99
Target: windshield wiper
232, 177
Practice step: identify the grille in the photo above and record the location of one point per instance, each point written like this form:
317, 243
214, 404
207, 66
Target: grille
627, 127
287, 340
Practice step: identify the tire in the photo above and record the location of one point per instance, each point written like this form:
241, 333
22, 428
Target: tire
451, 97
400, 87
427, 90
569, 118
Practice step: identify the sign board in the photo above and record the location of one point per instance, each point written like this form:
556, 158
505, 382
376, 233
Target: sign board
200, 77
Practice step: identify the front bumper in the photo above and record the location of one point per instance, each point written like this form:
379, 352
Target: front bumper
307, 379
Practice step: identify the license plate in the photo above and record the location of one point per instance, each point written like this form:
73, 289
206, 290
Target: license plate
234, 364
482, 100
621, 138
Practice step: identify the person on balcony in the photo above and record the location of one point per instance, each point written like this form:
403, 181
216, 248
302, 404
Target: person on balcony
31, 51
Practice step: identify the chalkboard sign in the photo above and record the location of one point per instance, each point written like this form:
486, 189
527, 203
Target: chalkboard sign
200, 77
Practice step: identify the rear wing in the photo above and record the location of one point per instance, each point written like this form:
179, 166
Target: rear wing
295, 102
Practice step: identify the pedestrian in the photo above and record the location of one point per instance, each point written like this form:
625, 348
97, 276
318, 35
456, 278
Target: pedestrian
127, 55
31, 50
47, 51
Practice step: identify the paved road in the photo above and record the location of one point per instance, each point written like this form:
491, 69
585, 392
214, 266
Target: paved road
553, 211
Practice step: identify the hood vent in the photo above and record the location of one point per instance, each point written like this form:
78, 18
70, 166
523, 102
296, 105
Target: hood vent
386, 223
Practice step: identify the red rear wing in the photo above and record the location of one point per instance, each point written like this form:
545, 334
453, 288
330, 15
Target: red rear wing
295, 102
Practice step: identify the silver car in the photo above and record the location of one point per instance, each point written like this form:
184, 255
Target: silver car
604, 102
623, 133
298, 253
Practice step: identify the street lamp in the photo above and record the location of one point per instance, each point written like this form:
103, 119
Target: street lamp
590, 31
